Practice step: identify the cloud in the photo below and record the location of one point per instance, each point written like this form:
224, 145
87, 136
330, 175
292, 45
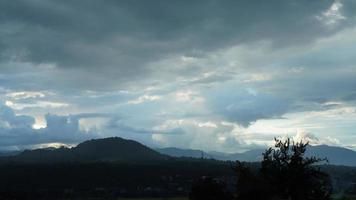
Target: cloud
17, 131
8, 117
37, 104
246, 106
124, 38
144, 98
189, 96
214, 135
119, 125
333, 15
313, 140
25, 95
242, 62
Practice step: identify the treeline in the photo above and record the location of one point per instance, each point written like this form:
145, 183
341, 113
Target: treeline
284, 173
108, 180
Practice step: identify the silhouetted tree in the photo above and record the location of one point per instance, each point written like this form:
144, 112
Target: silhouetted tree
284, 174
250, 186
207, 188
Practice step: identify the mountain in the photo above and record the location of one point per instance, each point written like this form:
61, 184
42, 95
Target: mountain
335, 155
119, 149
177, 152
248, 156
9, 153
108, 149
116, 149
251, 156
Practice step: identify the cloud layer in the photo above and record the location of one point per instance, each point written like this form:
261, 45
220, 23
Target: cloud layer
177, 73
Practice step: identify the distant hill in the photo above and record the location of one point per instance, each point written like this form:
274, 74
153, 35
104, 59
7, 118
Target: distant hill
177, 152
335, 155
116, 149
119, 149
9, 153
108, 149
248, 156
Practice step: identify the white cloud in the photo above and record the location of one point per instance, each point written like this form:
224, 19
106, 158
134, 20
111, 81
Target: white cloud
94, 124
200, 134
189, 96
207, 124
25, 95
40, 122
144, 98
36, 104
256, 77
333, 15
297, 70
304, 136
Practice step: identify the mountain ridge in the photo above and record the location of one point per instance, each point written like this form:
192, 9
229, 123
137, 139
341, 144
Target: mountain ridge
119, 149
106, 149
335, 155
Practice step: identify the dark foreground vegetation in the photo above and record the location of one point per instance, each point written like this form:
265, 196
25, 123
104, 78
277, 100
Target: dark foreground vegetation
284, 174
106, 180
99, 173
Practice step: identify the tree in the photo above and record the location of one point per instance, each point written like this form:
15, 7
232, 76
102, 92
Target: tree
249, 185
286, 174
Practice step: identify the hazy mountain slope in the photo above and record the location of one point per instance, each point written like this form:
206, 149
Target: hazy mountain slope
9, 153
177, 152
252, 155
335, 155
249, 156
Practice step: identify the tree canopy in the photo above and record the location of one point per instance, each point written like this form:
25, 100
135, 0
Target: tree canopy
285, 173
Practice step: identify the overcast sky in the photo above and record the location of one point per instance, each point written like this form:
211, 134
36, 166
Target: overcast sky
221, 75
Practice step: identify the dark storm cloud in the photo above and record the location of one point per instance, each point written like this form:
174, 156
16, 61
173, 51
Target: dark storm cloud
111, 42
161, 62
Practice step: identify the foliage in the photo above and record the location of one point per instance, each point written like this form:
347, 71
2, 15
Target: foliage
284, 174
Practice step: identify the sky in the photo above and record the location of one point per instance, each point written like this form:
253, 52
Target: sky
216, 75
